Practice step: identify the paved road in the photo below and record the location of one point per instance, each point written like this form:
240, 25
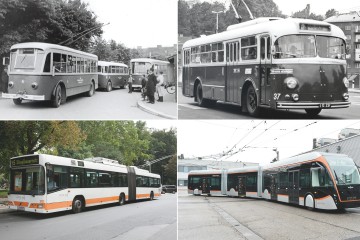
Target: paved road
233, 218
136, 221
118, 104
188, 109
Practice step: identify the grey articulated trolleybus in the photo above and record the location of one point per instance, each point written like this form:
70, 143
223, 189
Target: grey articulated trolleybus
50, 72
314, 180
269, 63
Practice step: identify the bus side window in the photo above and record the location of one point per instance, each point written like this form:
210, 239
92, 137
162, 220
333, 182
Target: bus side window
57, 62
47, 63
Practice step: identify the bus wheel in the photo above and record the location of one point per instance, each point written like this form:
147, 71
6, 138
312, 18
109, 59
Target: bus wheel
17, 101
108, 86
77, 205
313, 111
151, 196
309, 202
251, 102
199, 96
121, 199
56, 101
91, 91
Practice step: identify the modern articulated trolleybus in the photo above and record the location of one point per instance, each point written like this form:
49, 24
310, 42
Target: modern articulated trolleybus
269, 63
44, 183
50, 72
313, 180
209, 182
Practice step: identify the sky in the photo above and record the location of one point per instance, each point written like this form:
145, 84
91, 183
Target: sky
318, 7
161, 124
208, 137
145, 23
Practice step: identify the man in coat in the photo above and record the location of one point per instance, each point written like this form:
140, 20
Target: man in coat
151, 86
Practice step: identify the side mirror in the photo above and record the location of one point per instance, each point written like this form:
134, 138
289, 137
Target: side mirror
6, 61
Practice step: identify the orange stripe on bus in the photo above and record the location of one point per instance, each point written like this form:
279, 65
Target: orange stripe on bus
146, 195
21, 204
328, 196
101, 200
56, 205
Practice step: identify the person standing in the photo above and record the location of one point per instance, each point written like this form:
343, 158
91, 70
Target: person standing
143, 87
5, 80
159, 87
130, 80
150, 86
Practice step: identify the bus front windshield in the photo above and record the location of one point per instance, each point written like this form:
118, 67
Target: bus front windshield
26, 59
308, 46
140, 67
344, 170
29, 180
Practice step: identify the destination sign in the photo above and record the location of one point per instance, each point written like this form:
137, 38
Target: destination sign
30, 160
315, 27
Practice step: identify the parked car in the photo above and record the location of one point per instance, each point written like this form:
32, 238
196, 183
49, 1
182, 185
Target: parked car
168, 189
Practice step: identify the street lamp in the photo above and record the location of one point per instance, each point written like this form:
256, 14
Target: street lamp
217, 19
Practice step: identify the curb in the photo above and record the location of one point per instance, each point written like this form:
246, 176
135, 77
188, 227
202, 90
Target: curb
152, 111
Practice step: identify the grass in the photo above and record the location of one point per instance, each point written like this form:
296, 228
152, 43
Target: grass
3, 193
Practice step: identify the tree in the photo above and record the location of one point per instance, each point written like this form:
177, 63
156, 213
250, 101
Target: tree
307, 14
329, 13
27, 137
171, 171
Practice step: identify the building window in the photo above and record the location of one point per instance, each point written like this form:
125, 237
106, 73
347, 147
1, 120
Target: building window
357, 38
357, 46
348, 37
348, 27
357, 65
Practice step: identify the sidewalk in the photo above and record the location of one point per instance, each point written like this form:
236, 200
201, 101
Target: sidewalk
166, 109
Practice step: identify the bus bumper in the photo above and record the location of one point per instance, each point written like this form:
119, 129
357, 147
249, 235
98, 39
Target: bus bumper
309, 105
23, 96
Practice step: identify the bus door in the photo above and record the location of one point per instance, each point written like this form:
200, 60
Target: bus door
294, 186
186, 72
264, 70
241, 186
273, 186
232, 73
205, 185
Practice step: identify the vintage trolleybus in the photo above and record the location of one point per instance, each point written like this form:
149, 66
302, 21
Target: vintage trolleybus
314, 180
45, 184
112, 74
141, 66
269, 63
42, 71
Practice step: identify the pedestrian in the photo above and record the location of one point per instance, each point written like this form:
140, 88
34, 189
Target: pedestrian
130, 81
5, 80
143, 87
150, 86
159, 87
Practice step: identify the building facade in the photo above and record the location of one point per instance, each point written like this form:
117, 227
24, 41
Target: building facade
350, 24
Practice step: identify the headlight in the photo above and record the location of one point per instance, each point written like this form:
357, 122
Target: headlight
346, 82
291, 82
11, 84
34, 85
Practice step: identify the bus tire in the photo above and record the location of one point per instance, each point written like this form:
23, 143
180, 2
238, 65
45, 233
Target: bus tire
121, 199
108, 86
151, 196
251, 102
309, 202
199, 97
56, 101
77, 205
313, 112
17, 101
91, 92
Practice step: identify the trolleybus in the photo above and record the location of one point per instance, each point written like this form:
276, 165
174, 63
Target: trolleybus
42, 71
314, 180
141, 66
269, 63
112, 74
209, 182
44, 183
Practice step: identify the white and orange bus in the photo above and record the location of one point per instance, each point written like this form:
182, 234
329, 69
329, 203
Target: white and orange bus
49, 72
45, 184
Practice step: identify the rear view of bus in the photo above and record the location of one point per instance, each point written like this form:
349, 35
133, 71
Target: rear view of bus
112, 75
49, 72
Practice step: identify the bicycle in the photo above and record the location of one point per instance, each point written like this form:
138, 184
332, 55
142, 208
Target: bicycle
170, 87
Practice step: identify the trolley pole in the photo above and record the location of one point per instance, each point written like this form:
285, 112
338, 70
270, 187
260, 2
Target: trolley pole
217, 20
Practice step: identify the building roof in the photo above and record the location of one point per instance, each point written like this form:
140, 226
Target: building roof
348, 17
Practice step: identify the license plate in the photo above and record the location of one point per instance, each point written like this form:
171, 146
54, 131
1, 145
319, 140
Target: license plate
20, 208
325, 105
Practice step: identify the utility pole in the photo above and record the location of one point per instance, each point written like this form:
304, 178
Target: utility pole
217, 20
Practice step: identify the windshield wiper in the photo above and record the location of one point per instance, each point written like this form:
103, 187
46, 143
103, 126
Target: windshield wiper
338, 179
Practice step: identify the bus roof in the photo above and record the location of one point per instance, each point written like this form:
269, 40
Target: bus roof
276, 27
104, 63
300, 158
49, 46
149, 60
205, 172
243, 170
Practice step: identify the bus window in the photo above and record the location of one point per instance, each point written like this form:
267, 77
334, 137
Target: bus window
17, 181
262, 48
249, 48
25, 58
330, 47
76, 177
47, 63
99, 69
251, 181
56, 178
320, 177
104, 179
295, 46
91, 178
305, 178
284, 179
